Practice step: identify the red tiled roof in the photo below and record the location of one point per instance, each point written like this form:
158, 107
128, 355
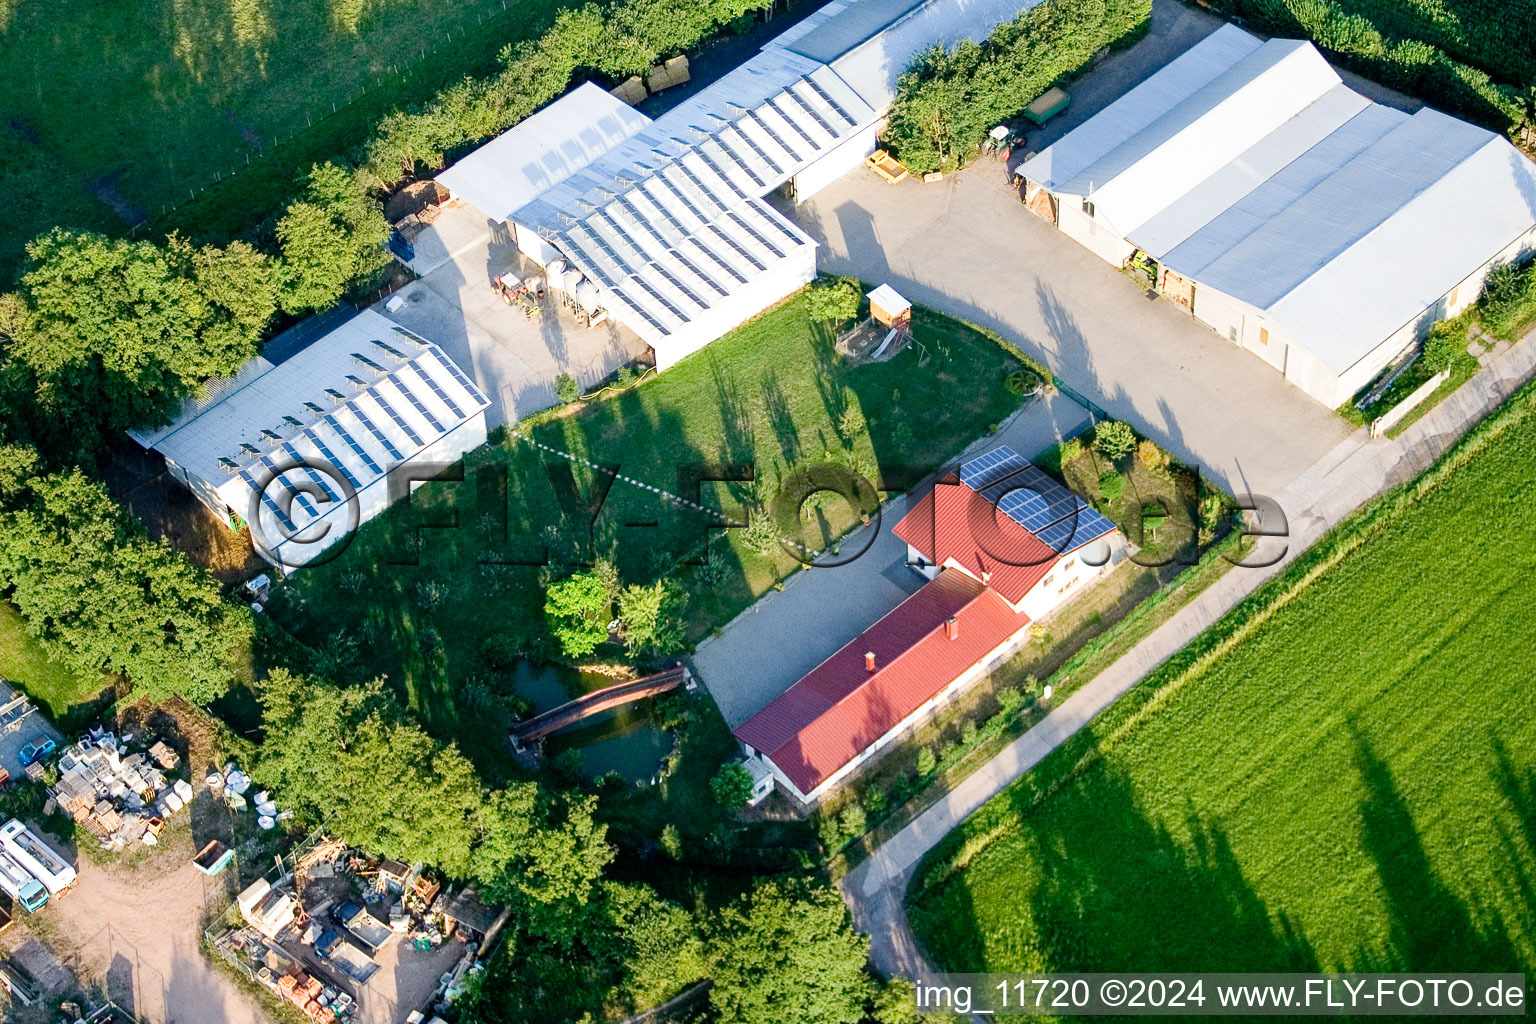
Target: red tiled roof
953, 521
839, 708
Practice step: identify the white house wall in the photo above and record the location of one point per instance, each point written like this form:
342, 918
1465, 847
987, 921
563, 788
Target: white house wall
1065, 581
534, 247
1102, 241
848, 156
934, 703
757, 295
374, 498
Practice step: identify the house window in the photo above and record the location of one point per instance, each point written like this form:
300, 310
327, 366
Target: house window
1047, 581
1068, 585
1088, 206
1263, 335
1451, 299
1232, 333
1068, 563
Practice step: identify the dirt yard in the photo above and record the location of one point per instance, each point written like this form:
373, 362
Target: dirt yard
135, 926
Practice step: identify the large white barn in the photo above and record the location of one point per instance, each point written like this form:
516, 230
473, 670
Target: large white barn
1321, 231
287, 442
666, 217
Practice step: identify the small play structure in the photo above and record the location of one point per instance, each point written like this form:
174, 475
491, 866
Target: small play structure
886, 331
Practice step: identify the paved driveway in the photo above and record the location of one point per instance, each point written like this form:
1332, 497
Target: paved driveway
765, 649
968, 246
514, 360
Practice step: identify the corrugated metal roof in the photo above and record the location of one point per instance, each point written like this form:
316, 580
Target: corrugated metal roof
851, 25
1139, 108
1202, 134
1235, 179
840, 708
542, 150
873, 66
1343, 219
364, 398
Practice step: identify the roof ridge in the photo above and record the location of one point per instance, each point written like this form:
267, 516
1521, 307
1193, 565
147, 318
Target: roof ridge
1412, 199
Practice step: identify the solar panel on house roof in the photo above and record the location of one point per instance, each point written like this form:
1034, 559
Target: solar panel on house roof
984, 470
1073, 531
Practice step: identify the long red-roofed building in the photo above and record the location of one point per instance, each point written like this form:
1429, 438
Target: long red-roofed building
990, 577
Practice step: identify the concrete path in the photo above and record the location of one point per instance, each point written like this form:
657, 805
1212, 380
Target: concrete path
514, 360
1354, 472
764, 650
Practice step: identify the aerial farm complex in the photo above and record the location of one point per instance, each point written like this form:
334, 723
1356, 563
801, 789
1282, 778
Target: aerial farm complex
703, 512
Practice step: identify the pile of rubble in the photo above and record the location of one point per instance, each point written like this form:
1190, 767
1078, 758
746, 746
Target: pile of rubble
119, 797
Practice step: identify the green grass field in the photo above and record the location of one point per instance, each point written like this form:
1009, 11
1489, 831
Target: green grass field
1339, 775
65, 693
772, 393
113, 111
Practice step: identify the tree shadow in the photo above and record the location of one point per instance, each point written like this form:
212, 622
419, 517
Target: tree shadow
1431, 927
780, 417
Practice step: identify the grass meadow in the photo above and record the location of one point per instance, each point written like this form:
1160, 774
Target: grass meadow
1339, 775
68, 696
114, 111
772, 394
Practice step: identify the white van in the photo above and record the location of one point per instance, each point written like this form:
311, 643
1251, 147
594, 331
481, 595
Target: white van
26, 849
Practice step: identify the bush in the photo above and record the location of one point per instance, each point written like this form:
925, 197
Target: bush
1509, 299
875, 801
1010, 698
1111, 485
947, 100
927, 761
1114, 439
732, 786
566, 388
1069, 451
834, 301
1152, 457
1023, 382
851, 822
968, 734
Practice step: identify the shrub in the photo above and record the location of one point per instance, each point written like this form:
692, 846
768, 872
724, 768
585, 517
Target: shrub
968, 734
1151, 456
566, 388
851, 822
732, 786
947, 100
672, 842
1439, 352
1111, 485
1509, 299
875, 800
927, 761
762, 532
1069, 451
1023, 382
1114, 439
834, 301
1010, 698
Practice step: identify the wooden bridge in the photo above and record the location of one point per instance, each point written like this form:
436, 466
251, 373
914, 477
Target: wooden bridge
597, 701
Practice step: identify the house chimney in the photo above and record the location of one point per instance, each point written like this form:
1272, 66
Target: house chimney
952, 628
869, 661
986, 577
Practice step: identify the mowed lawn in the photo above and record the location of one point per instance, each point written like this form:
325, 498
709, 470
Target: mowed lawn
113, 110
771, 395
27, 666
1348, 782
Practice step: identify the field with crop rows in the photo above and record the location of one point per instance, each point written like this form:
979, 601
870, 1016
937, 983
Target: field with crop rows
1340, 775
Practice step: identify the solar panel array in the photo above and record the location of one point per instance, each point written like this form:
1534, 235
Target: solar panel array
342, 429
671, 223
1026, 494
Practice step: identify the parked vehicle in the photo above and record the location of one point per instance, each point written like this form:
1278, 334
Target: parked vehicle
41, 860
37, 750
19, 884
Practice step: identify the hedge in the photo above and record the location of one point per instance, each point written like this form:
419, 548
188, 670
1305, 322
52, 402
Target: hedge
1404, 44
948, 99
612, 39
